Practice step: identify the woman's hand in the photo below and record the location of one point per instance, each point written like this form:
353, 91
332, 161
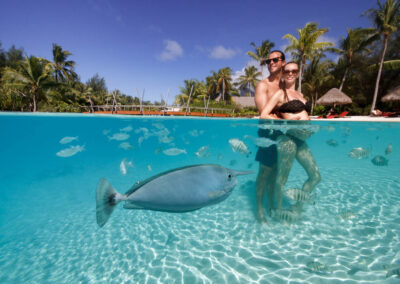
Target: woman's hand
269, 116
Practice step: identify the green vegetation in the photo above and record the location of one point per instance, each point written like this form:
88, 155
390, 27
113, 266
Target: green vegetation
368, 66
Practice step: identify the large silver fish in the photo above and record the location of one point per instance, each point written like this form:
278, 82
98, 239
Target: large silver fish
179, 190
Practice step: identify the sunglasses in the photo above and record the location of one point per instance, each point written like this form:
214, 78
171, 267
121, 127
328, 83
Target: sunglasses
275, 60
294, 71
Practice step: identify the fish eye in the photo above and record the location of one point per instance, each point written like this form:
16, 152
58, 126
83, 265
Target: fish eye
229, 176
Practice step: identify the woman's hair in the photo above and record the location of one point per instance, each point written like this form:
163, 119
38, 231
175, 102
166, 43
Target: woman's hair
290, 62
283, 86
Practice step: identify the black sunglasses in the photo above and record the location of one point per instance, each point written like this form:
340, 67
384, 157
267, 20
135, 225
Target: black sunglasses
275, 60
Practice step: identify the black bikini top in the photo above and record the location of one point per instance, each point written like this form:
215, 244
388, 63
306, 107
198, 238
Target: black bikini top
295, 106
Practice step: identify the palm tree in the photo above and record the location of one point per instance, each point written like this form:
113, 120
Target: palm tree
63, 68
316, 75
224, 83
249, 79
386, 20
193, 88
32, 78
356, 42
306, 46
261, 52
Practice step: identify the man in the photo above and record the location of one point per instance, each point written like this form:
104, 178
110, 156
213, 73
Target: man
267, 157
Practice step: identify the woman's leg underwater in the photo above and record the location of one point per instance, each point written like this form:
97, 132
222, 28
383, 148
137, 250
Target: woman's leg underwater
286, 149
305, 158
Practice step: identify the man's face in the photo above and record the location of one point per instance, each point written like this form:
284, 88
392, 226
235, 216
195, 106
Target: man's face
274, 67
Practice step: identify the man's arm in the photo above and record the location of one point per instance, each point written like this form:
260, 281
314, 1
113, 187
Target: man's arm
260, 96
271, 104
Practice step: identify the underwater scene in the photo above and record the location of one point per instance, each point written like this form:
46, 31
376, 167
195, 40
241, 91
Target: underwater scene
121, 199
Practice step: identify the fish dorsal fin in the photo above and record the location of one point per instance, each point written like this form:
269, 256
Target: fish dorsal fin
139, 184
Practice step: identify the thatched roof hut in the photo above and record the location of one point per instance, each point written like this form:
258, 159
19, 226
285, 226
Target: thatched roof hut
392, 96
334, 97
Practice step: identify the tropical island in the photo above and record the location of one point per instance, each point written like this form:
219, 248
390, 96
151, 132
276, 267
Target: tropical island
366, 67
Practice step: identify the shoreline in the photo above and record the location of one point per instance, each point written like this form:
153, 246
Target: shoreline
313, 118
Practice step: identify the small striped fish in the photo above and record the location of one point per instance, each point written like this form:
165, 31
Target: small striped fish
299, 195
317, 267
380, 161
359, 153
285, 215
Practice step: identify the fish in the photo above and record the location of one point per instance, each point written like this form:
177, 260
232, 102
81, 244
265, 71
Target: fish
299, 195
124, 165
345, 215
126, 129
261, 141
329, 128
194, 133
284, 215
380, 161
71, 151
68, 139
106, 131
204, 151
389, 149
142, 129
359, 153
318, 267
165, 139
119, 136
239, 146
178, 190
174, 151
332, 142
125, 145
393, 272
149, 168
158, 125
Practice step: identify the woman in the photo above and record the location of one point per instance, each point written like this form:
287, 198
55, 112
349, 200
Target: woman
290, 104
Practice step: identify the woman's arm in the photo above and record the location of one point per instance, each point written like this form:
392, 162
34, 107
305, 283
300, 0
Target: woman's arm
271, 104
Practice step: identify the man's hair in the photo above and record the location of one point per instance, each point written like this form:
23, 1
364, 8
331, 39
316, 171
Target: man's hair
282, 54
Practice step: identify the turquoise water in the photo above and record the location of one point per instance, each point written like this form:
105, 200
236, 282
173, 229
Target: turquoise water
48, 230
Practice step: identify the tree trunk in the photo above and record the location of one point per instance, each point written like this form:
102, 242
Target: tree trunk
34, 103
223, 90
378, 78
344, 78
301, 73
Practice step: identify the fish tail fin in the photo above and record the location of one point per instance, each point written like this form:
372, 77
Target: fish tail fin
106, 200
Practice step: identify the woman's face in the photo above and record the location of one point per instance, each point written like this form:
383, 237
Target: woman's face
290, 72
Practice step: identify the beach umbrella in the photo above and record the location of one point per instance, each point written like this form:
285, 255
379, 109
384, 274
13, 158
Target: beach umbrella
392, 96
334, 97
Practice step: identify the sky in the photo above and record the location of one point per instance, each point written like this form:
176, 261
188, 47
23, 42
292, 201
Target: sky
154, 45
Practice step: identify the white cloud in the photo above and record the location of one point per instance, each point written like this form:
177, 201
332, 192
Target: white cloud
171, 51
325, 38
220, 52
237, 74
